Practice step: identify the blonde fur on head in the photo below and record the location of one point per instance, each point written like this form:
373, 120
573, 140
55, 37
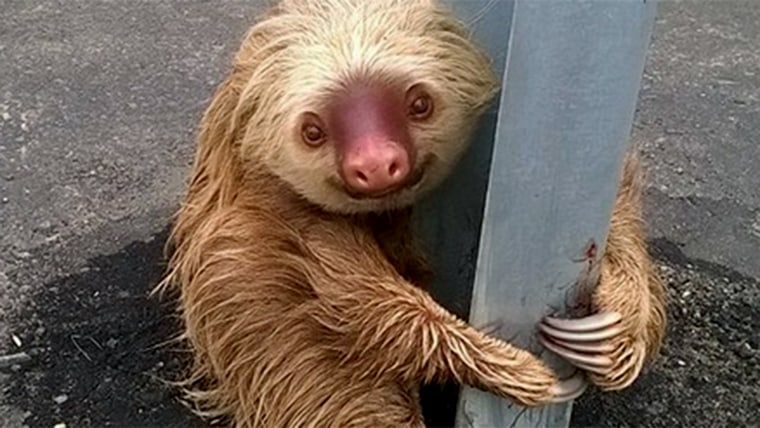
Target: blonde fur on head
307, 51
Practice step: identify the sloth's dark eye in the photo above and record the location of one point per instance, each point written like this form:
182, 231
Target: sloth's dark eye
313, 135
421, 105
312, 132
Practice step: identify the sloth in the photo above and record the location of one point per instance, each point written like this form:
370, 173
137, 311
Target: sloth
300, 284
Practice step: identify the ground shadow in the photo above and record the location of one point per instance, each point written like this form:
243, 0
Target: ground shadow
100, 352
101, 346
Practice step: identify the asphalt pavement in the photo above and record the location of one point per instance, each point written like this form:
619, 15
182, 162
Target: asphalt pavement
98, 106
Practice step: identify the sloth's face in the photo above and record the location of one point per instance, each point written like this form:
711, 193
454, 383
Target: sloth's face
378, 103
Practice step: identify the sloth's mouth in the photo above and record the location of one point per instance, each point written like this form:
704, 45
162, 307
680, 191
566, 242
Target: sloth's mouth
414, 179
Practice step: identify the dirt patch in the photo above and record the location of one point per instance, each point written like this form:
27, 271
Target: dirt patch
100, 348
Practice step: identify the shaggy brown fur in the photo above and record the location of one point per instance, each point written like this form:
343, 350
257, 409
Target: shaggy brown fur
630, 285
304, 306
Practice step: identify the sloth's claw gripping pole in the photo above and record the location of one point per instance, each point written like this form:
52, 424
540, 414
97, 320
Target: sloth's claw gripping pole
584, 342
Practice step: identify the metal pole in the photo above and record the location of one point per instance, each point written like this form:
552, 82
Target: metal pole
570, 84
450, 220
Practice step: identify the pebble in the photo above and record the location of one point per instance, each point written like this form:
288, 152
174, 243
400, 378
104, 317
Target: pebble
60, 399
22, 254
745, 351
656, 409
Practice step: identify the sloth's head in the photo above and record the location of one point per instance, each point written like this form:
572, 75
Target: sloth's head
362, 105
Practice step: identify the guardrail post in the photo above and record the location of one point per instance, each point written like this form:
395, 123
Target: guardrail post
540, 181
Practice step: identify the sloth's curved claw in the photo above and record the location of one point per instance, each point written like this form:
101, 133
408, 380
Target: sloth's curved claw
585, 324
584, 342
569, 388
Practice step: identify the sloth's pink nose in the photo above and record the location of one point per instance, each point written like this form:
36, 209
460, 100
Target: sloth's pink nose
378, 166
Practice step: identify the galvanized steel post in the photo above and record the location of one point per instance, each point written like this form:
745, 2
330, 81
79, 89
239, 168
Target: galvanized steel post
540, 180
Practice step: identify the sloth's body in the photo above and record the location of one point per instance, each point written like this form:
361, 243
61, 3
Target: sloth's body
300, 285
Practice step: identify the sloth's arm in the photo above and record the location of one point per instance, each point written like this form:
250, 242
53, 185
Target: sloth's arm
615, 343
390, 328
